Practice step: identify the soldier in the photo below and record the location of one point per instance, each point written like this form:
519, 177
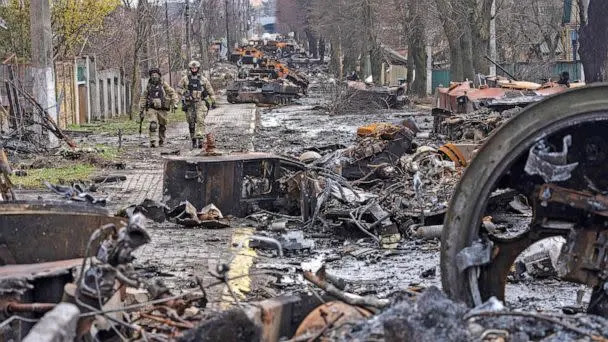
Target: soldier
564, 79
199, 97
155, 102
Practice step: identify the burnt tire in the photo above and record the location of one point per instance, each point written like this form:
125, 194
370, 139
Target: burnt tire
503, 148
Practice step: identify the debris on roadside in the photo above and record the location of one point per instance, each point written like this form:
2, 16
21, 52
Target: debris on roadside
185, 214
431, 316
76, 192
475, 126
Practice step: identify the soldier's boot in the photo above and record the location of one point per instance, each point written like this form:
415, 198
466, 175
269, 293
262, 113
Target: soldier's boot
194, 143
200, 143
162, 129
153, 130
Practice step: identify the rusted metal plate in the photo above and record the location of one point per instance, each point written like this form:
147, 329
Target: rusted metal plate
462, 98
41, 270
35, 232
233, 183
279, 317
329, 315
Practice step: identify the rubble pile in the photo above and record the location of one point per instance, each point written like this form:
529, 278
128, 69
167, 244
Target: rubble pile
377, 188
354, 96
222, 74
432, 316
474, 126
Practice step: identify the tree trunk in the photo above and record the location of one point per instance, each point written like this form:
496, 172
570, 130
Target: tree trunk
479, 20
142, 29
135, 87
466, 45
456, 66
322, 49
202, 41
453, 32
418, 51
376, 63
312, 43
593, 38
409, 78
336, 65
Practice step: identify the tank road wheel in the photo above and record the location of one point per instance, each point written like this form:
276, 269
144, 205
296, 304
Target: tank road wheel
476, 260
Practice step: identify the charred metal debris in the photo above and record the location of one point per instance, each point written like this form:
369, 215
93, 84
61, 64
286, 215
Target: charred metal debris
378, 188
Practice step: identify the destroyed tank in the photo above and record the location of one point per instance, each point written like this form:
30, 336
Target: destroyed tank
552, 157
262, 91
280, 92
245, 91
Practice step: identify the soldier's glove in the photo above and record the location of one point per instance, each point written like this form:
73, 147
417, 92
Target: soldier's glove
213, 105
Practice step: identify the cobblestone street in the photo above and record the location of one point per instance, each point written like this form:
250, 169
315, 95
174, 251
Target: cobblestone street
176, 254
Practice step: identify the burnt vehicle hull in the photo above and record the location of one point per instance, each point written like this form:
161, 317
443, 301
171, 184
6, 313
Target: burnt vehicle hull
34, 232
245, 91
262, 92
380, 96
41, 243
553, 154
235, 184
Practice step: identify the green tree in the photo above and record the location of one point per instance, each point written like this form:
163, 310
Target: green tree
73, 21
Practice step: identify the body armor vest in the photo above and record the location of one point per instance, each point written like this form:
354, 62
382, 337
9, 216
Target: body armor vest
196, 88
156, 97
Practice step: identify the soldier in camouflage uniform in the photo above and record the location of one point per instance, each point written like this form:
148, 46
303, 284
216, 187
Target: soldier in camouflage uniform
155, 102
198, 96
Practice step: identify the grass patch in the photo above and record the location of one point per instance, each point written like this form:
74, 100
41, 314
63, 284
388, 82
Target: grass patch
65, 174
106, 152
111, 126
178, 116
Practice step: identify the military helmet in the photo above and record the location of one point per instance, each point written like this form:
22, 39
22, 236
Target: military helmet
194, 64
153, 70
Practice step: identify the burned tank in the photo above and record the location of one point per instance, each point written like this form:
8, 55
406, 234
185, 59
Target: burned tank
262, 91
280, 92
245, 91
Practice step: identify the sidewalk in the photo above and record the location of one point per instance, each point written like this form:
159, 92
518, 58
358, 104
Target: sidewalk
177, 255
232, 125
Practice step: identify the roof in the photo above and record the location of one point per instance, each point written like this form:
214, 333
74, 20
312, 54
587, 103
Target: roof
393, 57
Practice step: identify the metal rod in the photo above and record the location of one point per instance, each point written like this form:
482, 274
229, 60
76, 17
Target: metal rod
16, 307
501, 68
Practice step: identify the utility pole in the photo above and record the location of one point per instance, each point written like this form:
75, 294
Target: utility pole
493, 50
228, 40
42, 60
188, 48
168, 41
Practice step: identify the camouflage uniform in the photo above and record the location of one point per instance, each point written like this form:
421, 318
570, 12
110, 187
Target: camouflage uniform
156, 101
198, 95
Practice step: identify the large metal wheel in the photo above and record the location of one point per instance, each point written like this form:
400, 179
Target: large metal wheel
581, 114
